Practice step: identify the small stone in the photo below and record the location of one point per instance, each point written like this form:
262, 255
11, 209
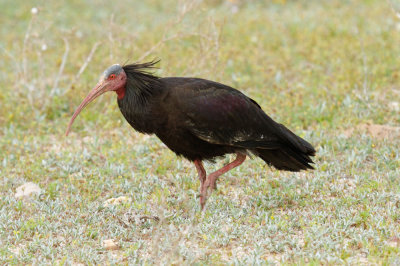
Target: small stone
116, 201
254, 39
17, 250
234, 9
394, 106
394, 242
79, 34
109, 244
27, 189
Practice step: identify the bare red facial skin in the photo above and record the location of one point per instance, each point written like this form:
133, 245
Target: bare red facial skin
113, 82
121, 90
121, 93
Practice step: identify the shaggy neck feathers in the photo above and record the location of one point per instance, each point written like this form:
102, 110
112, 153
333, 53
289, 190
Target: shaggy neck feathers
141, 84
135, 102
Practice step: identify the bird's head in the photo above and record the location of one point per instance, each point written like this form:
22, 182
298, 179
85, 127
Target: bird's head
113, 79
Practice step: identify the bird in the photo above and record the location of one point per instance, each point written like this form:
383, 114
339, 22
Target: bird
200, 120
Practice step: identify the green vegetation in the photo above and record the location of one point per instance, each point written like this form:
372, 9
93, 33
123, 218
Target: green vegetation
329, 70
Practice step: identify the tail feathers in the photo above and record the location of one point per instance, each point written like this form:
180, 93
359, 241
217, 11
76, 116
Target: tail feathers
285, 159
285, 152
294, 140
289, 152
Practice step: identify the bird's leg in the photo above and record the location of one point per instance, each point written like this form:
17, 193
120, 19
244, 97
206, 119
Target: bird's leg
212, 178
202, 176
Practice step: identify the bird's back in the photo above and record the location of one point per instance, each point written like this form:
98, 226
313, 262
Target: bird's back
206, 119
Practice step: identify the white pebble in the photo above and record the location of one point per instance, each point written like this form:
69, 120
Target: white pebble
234, 9
395, 106
116, 201
109, 244
27, 190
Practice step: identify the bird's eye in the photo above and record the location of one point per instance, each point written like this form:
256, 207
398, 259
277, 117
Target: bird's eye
112, 76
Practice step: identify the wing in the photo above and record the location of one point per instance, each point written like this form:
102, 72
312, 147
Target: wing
222, 115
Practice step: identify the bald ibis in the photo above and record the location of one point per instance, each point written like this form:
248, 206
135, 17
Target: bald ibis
200, 120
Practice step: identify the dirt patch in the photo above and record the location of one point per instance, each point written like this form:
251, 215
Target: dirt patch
374, 130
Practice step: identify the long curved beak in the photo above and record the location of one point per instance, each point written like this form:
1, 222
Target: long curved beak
93, 94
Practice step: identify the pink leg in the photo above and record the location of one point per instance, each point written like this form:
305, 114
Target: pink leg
202, 176
212, 178
211, 181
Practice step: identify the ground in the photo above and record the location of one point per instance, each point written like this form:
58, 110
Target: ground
328, 70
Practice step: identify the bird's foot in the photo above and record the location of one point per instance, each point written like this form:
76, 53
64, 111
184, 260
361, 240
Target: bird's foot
213, 185
205, 193
209, 185
203, 199
211, 182
202, 203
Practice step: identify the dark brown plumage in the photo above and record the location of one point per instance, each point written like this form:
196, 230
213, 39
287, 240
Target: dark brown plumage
201, 120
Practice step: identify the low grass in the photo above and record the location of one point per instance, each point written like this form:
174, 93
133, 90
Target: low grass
323, 68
